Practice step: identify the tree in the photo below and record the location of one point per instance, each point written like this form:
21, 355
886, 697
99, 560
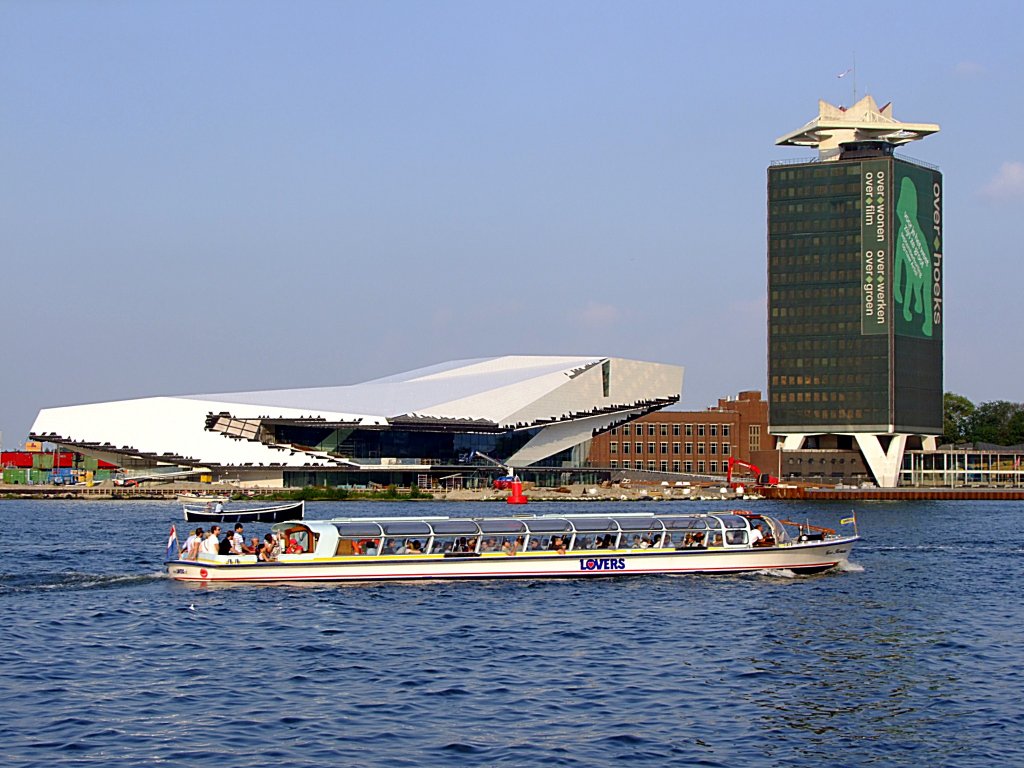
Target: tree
990, 422
957, 411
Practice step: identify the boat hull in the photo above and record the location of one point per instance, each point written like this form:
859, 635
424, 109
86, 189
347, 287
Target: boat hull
799, 558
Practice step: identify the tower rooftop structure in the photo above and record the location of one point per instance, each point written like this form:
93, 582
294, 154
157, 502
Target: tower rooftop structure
863, 122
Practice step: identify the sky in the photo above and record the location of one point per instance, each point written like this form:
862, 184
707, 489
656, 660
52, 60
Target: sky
221, 196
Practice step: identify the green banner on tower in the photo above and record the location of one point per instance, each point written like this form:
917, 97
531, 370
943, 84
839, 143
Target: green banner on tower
917, 257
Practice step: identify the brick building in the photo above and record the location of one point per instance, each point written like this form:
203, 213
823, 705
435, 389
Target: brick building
698, 442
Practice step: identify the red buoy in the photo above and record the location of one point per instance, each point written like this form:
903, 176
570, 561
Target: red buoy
516, 496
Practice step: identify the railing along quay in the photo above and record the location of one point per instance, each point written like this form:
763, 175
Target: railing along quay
894, 494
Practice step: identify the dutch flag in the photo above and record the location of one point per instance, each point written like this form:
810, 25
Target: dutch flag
172, 544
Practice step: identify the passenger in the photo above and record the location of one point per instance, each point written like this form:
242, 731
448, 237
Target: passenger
508, 547
294, 547
270, 550
534, 544
218, 508
558, 545
211, 543
191, 548
756, 536
471, 544
645, 543
403, 548
238, 546
717, 540
520, 544
415, 548
226, 546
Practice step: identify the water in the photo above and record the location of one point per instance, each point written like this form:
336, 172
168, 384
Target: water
910, 657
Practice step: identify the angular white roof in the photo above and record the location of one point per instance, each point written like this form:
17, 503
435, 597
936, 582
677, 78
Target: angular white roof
504, 392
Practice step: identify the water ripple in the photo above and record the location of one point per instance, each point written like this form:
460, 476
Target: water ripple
909, 657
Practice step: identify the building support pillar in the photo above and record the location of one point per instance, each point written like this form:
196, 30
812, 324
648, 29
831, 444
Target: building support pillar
793, 442
884, 464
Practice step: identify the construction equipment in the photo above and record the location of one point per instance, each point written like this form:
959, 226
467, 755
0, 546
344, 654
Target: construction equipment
763, 479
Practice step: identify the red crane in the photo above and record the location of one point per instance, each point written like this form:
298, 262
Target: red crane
763, 478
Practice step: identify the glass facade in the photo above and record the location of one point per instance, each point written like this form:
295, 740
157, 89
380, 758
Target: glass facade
835, 361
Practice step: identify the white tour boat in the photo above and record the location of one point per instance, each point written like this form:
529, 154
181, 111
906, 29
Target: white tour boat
542, 546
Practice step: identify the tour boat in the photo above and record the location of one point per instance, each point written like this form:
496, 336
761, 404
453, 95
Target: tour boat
541, 546
217, 513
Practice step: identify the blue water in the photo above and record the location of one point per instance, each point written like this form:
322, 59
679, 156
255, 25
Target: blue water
911, 657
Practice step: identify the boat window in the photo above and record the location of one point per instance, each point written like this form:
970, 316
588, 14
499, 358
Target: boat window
493, 543
358, 530
733, 521
735, 537
406, 528
638, 523
593, 524
453, 545
641, 539
452, 527
549, 526
502, 526
684, 523
357, 545
301, 537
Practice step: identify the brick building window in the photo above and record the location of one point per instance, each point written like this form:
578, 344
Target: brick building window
755, 437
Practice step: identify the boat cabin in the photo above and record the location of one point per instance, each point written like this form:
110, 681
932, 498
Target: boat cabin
475, 537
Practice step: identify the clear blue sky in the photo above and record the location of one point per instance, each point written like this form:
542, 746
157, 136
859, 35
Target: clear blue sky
215, 196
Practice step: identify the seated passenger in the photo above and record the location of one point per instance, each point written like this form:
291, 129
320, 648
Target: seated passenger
225, 546
717, 540
269, 550
294, 547
191, 548
756, 535
698, 540
414, 548
557, 545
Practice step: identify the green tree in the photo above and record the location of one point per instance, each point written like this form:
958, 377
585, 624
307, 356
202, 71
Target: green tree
957, 411
990, 422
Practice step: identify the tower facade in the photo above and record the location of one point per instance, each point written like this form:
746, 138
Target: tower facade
856, 304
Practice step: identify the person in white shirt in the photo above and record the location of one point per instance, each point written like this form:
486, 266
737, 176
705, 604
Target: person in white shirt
211, 543
192, 543
756, 535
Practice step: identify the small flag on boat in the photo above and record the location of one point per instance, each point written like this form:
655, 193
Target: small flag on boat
172, 544
848, 521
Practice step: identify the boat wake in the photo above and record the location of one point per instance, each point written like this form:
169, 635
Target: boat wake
72, 581
849, 567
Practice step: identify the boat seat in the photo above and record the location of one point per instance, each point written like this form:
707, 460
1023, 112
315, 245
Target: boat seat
205, 556
295, 558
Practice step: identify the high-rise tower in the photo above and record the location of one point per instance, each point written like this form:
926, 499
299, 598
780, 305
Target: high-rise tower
855, 296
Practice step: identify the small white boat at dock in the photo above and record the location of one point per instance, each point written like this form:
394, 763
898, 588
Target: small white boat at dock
199, 498
542, 546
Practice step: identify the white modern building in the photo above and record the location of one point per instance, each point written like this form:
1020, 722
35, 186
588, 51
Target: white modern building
524, 411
